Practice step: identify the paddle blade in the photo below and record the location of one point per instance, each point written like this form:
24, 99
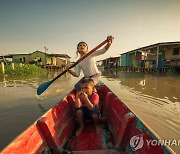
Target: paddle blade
43, 87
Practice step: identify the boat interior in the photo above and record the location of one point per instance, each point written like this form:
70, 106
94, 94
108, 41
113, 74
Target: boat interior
55, 131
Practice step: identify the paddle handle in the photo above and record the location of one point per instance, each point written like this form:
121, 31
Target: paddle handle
80, 59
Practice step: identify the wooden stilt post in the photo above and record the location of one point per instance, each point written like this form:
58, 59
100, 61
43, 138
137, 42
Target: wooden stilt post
157, 63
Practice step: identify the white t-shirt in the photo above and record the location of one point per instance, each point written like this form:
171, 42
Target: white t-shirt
88, 65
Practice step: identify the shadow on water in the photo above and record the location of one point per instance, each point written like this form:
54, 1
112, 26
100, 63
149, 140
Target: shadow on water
42, 109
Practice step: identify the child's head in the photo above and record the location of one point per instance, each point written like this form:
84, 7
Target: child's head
87, 85
82, 48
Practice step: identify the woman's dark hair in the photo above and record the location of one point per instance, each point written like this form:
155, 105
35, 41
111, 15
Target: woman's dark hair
79, 44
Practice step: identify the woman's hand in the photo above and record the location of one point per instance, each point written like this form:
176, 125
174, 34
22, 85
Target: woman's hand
69, 69
109, 42
110, 39
71, 72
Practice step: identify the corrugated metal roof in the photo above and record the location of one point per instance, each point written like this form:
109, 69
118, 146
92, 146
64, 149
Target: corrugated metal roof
153, 45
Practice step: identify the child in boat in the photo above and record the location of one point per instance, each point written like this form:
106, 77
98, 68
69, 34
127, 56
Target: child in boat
88, 65
87, 104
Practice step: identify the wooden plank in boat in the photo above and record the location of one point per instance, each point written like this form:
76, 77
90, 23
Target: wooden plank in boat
57, 125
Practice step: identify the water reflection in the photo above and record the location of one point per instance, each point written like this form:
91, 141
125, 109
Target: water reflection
18, 100
4, 81
32, 81
56, 91
160, 86
153, 98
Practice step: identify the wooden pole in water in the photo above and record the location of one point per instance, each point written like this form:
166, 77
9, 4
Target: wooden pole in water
157, 63
3, 71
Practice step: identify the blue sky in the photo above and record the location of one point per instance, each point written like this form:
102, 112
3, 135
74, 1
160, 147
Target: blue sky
29, 25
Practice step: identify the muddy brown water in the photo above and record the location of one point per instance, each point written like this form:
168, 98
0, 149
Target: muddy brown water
153, 98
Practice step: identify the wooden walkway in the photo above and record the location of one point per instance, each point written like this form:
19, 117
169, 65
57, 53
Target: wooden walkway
148, 70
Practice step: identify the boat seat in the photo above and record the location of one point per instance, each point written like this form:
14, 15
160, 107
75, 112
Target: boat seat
107, 104
119, 118
30, 141
57, 125
103, 92
124, 131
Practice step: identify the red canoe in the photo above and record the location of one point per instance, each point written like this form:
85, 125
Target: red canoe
122, 131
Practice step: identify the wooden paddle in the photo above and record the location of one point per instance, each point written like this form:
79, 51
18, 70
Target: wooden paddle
45, 85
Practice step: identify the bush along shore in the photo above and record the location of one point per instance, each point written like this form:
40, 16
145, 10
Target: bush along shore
19, 69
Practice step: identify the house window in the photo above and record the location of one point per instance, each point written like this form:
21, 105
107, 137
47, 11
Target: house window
176, 51
39, 60
22, 60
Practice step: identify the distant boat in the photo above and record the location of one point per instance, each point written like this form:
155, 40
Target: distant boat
54, 132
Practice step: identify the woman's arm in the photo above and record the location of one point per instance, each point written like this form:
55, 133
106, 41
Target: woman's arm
110, 40
72, 73
102, 51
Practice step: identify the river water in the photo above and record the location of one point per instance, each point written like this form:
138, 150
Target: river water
153, 98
